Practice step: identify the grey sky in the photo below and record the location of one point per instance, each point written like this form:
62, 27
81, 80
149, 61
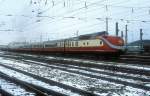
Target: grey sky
23, 20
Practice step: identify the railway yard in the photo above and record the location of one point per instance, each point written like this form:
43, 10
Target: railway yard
74, 48
42, 75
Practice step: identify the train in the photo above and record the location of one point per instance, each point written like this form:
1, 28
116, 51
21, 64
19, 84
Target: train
98, 43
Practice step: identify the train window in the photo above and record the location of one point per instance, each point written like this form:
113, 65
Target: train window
76, 43
84, 43
101, 42
72, 44
36, 46
68, 43
62, 44
47, 46
41, 46
50, 45
87, 43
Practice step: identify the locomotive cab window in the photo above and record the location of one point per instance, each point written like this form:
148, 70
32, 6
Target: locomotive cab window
101, 42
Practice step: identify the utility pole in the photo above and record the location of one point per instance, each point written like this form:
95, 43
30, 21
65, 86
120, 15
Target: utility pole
76, 44
126, 35
141, 38
106, 25
117, 29
122, 35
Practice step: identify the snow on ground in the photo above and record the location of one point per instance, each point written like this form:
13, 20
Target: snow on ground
10, 61
101, 87
34, 81
13, 88
96, 69
97, 74
140, 66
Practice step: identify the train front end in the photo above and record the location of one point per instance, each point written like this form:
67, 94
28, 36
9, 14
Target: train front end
113, 44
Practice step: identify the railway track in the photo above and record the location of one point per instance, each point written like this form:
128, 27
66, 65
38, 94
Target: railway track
66, 67
18, 85
4, 93
140, 59
121, 67
135, 58
127, 78
40, 90
66, 88
116, 78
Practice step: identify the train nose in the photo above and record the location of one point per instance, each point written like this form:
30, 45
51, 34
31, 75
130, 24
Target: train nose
120, 42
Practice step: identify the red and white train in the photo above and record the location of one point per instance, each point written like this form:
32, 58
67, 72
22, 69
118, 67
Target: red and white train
96, 43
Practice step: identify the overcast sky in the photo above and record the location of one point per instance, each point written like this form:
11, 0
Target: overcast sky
35, 20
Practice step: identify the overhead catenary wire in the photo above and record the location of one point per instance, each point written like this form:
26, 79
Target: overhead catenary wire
85, 9
119, 19
76, 9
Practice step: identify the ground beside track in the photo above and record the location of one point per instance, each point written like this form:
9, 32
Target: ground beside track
97, 85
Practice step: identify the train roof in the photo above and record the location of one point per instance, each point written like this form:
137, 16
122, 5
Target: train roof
88, 36
81, 37
92, 35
